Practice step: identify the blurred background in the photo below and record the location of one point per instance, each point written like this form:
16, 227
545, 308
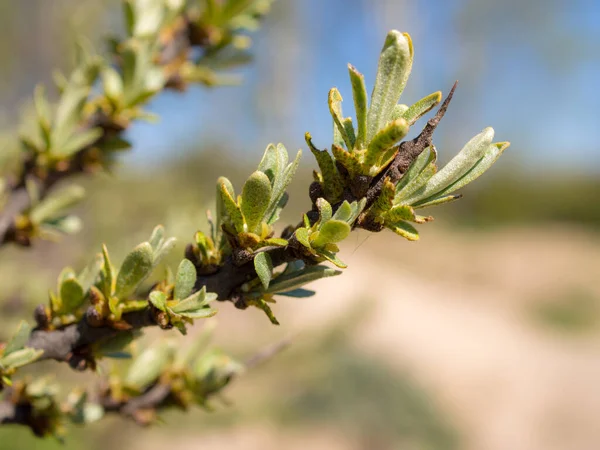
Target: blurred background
483, 335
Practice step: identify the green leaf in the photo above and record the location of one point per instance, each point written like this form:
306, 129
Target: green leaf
332, 182
77, 142
157, 237
68, 113
340, 134
19, 339
89, 275
404, 229
55, 204
149, 365
332, 257
264, 268
135, 268
43, 111
230, 208
298, 293
296, 279
325, 211
344, 212
302, 237
331, 232
458, 166
359, 93
159, 300
437, 201
107, 273
19, 358
72, 295
395, 63
195, 301
384, 139
163, 250
200, 313
256, 196
268, 164
422, 107
186, 279
400, 212
493, 153
113, 84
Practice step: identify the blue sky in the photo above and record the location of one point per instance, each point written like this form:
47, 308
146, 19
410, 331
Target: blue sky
529, 69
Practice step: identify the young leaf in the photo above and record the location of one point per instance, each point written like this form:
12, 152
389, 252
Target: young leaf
332, 182
264, 268
159, 300
384, 139
256, 196
148, 366
19, 339
157, 237
330, 233
427, 156
72, 295
19, 358
56, 203
195, 301
76, 142
422, 107
325, 211
340, 134
404, 229
359, 93
395, 63
298, 293
230, 208
186, 278
458, 166
135, 268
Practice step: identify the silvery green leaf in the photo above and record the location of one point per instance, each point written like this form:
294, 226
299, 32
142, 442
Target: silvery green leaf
325, 211
76, 142
186, 279
437, 201
298, 293
56, 203
404, 229
400, 212
422, 107
264, 268
149, 365
256, 196
331, 232
296, 279
157, 237
162, 251
418, 165
159, 300
359, 93
332, 257
399, 111
135, 268
458, 166
63, 225
68, 113
357, 208
72, 295
200, 313
195, 301
148, 17
19, 358
491, 155
384, 139
395, 63
344, 212
89, 275
302, 237
274, 217
19, 339
269, 165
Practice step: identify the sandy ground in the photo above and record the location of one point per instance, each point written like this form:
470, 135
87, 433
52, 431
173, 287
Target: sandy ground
453, 310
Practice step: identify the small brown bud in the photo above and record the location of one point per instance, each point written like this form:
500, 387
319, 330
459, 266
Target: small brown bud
93, 317
42, 316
